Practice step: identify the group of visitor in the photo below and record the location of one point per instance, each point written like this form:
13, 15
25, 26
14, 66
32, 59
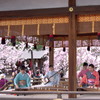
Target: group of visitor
88, 77
22, 78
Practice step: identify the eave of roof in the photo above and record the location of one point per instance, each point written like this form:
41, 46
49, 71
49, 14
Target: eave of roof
64, 11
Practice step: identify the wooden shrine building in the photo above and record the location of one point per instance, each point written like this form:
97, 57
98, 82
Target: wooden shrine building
62, 20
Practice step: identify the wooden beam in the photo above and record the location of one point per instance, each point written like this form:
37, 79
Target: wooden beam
72, 54
87, 34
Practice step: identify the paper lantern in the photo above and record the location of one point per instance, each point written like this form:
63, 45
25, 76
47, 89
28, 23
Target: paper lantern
3, 40
49, 48
51, 37
88, 48
64, 49
13, 40
98, 36
35, 46
44, 47
26, 45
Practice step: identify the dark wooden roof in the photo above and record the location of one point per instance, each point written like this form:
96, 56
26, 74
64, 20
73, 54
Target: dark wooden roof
44, 8
49, 12
10, 5
34, 13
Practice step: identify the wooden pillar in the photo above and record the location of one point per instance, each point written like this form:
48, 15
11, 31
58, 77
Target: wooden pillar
51, 53
32, 61
72, 3
40, 64
72, 55
72, 49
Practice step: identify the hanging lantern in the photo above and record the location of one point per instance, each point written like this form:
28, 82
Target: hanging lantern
35, 46
43, 44
51, 37
88, 48
98, 36
64, 49
13, 44
13, 40
49, 48
26, 45
3, 40
44, 47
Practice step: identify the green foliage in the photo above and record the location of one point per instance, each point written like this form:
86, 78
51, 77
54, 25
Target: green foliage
38, 47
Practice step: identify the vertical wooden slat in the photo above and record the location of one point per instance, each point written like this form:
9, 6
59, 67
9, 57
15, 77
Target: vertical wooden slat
8, 30
38, 27
93, 26
53, 27
22, 30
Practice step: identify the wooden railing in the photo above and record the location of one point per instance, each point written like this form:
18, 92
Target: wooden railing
58, 93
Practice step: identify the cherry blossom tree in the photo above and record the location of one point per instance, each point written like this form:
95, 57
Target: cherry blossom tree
10, 54
83, 55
